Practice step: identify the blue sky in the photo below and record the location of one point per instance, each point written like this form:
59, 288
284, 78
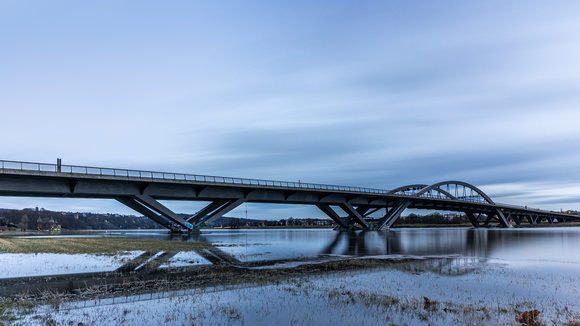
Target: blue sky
368, 93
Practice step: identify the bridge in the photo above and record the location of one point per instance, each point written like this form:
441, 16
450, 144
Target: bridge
350, 207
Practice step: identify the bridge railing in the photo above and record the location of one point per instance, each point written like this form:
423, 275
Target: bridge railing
152, 175
472, 199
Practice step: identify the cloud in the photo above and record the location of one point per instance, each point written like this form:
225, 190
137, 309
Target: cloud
370, 94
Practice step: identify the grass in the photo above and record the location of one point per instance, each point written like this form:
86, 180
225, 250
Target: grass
6, 313
10, 310
104, 245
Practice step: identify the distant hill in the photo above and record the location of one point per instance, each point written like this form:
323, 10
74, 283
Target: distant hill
33, 218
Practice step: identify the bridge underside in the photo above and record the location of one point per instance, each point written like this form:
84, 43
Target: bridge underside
349, 208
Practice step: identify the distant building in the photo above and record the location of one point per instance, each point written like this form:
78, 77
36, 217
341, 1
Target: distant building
48, 224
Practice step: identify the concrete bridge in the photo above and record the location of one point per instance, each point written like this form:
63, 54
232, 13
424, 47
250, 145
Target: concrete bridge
349, 207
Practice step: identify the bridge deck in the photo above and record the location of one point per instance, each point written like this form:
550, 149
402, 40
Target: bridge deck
141, 191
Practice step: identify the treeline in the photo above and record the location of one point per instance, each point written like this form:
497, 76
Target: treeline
236, 222
434, 218
31, 219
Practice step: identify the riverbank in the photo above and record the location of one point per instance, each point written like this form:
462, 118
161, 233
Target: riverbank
92, 245
11, 233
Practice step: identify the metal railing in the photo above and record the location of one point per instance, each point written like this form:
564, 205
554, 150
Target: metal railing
152, 175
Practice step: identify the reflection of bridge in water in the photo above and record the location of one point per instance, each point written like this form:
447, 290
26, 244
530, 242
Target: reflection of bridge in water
420, 244
349, 207
452, 252
472, 243
466, 242
448, 251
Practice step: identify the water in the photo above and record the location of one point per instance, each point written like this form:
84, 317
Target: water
520, 248
476, 276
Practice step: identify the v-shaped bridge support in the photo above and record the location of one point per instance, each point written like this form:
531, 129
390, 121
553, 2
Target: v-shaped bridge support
393, 214
214, 211
156, 211
354, 216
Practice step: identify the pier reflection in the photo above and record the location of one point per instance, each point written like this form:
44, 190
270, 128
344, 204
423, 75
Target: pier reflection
453, 252
470, 242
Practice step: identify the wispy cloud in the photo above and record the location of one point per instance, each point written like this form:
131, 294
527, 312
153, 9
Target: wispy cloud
370, 94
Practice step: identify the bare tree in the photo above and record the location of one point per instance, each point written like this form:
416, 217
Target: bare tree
23, 222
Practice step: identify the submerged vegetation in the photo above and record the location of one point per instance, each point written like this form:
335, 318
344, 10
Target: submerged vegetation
298, 296
92, 245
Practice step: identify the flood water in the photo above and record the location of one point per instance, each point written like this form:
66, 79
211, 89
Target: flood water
517, 247
476, 276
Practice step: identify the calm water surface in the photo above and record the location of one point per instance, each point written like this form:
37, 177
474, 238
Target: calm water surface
555, 248
517, 245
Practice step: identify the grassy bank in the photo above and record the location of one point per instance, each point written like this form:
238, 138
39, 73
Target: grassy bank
104, 245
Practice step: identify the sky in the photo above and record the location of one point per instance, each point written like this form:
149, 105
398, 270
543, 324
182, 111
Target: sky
374, 94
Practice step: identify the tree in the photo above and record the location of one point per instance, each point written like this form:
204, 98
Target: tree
23, 222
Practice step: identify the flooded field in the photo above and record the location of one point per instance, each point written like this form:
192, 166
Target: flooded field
455, 276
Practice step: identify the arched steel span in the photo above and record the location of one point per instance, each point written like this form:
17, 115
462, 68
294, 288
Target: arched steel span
452, 187
404, 190
143, 191
458, 191
456, 185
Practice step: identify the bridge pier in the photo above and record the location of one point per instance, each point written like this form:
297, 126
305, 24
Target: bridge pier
354, 215
534, 219
214, 211
474, 220
516, 218
343, 223
154, 210
393, 214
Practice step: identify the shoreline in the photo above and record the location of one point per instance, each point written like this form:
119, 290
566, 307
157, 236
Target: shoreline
10, 233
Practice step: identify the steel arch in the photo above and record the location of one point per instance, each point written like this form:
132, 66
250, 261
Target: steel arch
461, 183
404, 189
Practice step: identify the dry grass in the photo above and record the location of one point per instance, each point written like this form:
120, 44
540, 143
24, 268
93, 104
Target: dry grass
104, 245
6, 246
